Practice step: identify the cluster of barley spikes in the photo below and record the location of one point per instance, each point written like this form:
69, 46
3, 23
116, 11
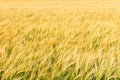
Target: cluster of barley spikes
59, 44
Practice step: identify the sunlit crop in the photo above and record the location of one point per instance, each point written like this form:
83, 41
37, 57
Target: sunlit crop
59, 43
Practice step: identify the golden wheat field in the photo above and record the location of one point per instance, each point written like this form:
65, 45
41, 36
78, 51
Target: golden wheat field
67, 40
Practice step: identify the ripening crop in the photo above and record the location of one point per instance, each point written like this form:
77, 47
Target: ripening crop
59, 42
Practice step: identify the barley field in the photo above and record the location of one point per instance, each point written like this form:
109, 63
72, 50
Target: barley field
64, 40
